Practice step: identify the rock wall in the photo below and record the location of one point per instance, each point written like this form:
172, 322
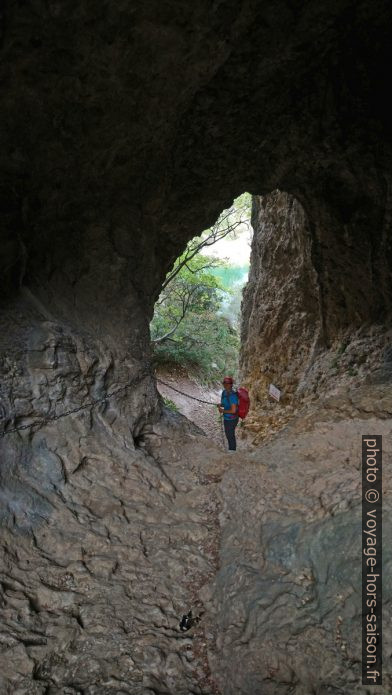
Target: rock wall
126, 128
281, 322
316, 309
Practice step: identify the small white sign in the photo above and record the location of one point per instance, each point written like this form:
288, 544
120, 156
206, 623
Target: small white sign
274, 392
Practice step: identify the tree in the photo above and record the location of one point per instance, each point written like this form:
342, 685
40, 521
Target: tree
191, 290
188, 327
228, 223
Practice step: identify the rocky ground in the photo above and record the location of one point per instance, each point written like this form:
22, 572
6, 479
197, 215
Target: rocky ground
92, 592
204, 416
264, 547
287, 597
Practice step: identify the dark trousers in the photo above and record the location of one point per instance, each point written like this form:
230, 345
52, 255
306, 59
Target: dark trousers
230, 426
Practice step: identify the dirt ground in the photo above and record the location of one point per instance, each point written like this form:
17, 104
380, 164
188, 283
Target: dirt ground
204, 416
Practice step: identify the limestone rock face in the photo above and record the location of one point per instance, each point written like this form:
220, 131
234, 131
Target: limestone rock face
116, 126
287, 596
125, 129
281, 322
104, 548
310, 321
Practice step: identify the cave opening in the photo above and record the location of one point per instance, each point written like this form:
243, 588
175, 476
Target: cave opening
126, 130
196, 326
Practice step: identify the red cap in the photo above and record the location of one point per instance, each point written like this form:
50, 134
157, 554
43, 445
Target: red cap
229, 379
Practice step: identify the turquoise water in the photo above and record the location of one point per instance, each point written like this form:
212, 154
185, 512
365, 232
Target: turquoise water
231, 275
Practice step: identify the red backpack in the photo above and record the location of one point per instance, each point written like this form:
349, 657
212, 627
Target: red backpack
243, 402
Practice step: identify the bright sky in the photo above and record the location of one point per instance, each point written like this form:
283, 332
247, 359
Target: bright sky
237, 251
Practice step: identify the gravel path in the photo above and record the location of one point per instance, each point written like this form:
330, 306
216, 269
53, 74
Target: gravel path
204, 416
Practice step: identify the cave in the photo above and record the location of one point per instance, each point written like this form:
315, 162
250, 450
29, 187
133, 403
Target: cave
126, 127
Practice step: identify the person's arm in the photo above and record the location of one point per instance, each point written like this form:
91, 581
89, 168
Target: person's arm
232, 411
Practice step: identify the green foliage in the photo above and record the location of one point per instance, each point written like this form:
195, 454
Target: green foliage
186, 328
342, 347
229, 224
170, 404
192, 324
205, 344
243, 205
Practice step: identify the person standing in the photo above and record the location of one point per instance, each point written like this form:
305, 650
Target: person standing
229, 408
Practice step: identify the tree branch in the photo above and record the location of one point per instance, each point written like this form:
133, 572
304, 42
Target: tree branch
216, 235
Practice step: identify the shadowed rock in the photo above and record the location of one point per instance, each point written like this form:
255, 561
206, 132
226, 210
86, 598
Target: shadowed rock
126, 128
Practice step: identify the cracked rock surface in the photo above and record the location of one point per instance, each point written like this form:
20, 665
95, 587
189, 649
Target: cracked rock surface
287, 596
98, 566
125, 129
108, 540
